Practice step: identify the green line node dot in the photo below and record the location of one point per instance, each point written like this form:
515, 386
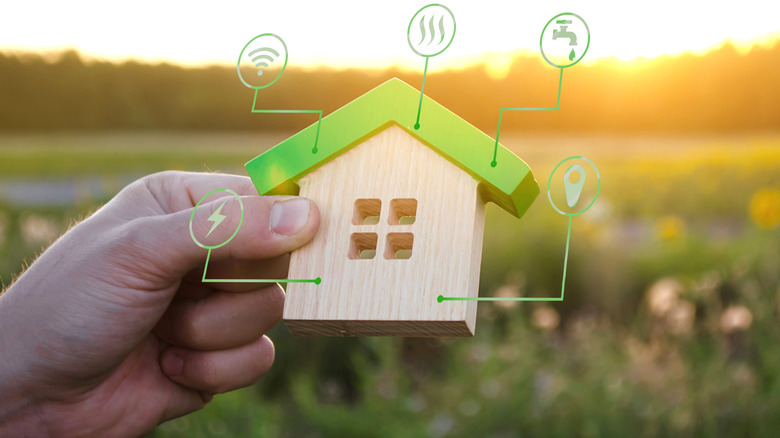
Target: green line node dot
317, 280
416, 126
440, 298
493, 163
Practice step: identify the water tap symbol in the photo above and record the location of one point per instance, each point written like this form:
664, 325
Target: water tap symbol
563, 33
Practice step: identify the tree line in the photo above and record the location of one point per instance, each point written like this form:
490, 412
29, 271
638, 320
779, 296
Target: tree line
720, 91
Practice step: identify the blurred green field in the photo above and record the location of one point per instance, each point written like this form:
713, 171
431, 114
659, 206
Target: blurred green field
670, 324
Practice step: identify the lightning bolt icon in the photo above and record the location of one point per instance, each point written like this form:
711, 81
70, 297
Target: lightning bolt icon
216, 217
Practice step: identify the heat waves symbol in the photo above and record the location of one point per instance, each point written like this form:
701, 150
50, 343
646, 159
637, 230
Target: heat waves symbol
262, 58
431, 30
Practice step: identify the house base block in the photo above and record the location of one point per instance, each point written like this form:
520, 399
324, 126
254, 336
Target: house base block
415, 329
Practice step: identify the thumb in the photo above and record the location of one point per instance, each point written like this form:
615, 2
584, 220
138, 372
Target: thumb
246, 227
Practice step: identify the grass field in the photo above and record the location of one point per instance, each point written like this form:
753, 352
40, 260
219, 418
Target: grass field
670, 324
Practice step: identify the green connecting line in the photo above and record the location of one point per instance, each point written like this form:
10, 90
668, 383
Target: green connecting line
494, 163
317, 280
563, 283
422, 92
319, 120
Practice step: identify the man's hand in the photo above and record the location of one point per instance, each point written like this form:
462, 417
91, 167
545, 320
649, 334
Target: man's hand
111, 331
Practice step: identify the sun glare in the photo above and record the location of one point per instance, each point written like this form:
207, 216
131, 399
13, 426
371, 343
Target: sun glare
350, 33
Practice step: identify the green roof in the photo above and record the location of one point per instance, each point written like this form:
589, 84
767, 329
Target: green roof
510, 184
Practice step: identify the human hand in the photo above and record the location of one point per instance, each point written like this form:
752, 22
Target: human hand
111, 332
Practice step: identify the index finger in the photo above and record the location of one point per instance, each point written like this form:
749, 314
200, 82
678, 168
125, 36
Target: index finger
177, 191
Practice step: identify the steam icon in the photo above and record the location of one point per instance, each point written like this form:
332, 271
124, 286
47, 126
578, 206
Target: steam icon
431, 30
260, 56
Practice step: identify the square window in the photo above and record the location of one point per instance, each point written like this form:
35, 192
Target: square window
403, 211
366, 211
399, 246
362, 246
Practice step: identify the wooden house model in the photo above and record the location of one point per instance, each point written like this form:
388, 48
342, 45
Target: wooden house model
402, 215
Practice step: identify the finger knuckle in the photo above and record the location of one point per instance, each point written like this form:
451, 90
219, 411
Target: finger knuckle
161, 178
156, 181
276, 298
213, 380
191, 332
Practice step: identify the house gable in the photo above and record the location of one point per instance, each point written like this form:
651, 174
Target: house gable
510, 184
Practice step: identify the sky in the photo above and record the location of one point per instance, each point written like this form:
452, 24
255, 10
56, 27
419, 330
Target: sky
342, 33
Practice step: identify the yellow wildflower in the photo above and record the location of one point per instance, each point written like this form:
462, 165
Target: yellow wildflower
765, 208
669, 227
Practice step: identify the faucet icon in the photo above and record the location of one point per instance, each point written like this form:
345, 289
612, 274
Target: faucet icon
563, 33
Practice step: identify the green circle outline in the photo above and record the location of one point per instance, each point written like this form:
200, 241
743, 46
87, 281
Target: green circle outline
541, 39
409, 30
598, 186
240, 55
192, 217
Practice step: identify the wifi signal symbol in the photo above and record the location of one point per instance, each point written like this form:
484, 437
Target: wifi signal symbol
262, 51
262, 58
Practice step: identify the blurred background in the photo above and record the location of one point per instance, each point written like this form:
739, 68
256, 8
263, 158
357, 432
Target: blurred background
670, 324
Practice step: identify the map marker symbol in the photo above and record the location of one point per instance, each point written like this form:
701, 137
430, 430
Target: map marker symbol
573, 189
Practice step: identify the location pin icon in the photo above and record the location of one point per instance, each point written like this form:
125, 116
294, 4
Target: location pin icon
573, 190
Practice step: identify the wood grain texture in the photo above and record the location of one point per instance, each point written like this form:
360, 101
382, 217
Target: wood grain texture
382, 296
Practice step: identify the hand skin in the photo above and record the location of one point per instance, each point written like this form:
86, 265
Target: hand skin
111, 332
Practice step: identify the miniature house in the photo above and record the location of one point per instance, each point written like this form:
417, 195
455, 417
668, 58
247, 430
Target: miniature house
402, 215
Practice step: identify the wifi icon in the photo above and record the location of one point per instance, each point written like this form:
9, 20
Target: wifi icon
258, 56
263, 54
